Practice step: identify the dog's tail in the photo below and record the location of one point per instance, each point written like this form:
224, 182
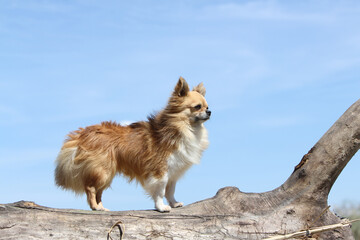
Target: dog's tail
66, 172
77, 167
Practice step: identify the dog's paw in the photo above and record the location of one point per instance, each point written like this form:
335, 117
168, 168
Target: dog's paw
177, 204
163, 208
101, 209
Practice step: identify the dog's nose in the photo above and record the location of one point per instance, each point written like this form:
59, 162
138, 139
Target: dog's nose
208, 112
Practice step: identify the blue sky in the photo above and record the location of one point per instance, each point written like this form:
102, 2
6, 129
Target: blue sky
278, 74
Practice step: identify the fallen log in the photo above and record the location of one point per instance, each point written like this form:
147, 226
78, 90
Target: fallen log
299, 204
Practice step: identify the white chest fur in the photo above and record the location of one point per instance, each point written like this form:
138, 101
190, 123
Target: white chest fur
189, 152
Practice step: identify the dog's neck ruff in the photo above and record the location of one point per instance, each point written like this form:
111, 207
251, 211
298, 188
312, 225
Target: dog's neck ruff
188, 152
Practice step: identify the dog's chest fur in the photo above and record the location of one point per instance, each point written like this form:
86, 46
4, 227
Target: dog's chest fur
189, 152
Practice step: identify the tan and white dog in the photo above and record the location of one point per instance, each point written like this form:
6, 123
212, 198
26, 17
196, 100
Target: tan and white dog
156, 152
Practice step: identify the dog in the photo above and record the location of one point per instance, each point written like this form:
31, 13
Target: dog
156, 152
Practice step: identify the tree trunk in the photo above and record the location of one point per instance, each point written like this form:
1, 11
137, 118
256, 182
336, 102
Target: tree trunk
298, 204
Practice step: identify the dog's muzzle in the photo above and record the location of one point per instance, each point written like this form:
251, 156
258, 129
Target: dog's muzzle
203, 116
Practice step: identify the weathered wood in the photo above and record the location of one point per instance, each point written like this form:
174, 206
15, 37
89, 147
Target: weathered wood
308, 232
298, 204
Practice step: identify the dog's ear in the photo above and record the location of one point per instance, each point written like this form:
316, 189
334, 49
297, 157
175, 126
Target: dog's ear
200, 89
182, 88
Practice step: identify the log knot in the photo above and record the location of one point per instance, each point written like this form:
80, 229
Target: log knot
26, 204
227, 193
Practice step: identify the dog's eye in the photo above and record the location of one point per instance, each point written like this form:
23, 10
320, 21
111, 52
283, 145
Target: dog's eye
198, 107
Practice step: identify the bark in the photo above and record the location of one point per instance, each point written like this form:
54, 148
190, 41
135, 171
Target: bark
298, 204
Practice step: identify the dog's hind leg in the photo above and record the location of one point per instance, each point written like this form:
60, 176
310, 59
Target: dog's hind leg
99, 201
92, 197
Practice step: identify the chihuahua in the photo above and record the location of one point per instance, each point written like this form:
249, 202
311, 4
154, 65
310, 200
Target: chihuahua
156, 152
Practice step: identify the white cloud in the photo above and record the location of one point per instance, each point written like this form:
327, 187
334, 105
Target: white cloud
126, 122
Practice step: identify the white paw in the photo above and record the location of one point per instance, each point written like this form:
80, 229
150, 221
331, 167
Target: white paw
163, 208
177, 204
101, 209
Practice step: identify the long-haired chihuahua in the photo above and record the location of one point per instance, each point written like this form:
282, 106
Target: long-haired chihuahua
156, 152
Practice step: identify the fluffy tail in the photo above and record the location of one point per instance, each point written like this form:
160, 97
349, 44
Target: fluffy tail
66, 173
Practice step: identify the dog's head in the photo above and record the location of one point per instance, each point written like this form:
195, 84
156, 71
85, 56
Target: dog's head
189, 104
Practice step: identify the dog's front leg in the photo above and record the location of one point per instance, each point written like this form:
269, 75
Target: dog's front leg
169, 194
156, 188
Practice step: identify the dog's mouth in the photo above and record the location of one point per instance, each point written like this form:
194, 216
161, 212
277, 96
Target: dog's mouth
202, 118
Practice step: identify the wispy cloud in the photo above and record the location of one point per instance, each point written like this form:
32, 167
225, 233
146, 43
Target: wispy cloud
40, 6
263, 10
